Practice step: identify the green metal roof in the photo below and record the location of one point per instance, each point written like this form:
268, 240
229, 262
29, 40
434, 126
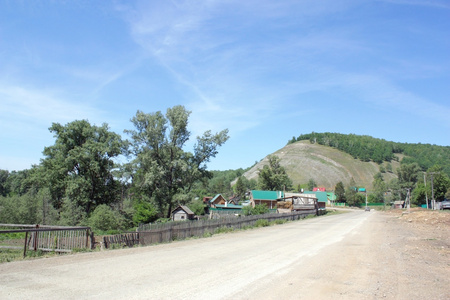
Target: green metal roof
267, 195
228, 206
331, 196
217, 196
321, 196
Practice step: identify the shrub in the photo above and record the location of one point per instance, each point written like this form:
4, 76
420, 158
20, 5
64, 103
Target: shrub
259, 209
144, 213
104, 218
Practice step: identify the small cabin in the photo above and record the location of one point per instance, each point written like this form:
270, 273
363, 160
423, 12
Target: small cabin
182, 213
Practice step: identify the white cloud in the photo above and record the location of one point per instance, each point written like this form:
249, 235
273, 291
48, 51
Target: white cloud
32, 106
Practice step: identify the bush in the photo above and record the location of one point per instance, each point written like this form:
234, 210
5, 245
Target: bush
279, 221
259, 209
144, 213
104, 218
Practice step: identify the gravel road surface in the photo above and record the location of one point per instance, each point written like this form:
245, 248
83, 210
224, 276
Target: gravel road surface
357, 255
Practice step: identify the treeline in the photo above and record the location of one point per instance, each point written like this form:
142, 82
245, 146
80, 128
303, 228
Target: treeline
91, 176
367, 148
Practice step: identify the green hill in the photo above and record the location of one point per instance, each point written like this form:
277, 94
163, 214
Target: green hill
331, 157
326, 165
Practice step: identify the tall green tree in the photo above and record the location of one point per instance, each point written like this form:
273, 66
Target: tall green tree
273, 177
339, 191
408, 175
311, 184
441, 182
161, 167
240, 187
79, 165
351, 194
379, 187
4, 174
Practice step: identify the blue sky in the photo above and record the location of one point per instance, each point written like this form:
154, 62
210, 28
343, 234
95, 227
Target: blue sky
266, 70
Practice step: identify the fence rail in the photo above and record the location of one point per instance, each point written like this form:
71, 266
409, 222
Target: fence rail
49, 238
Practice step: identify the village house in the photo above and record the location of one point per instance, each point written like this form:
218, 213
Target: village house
182, 213
270, 198
217, 200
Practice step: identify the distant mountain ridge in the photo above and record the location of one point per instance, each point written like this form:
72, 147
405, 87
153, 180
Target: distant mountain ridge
318, 156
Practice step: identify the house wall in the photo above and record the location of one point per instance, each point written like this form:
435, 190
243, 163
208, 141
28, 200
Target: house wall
180, 216
269, 203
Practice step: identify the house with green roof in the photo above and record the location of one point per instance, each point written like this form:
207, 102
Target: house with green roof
331, 197
217, 200
322, 198
269, 198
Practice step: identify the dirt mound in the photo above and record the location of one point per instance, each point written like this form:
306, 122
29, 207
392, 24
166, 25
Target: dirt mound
424, 217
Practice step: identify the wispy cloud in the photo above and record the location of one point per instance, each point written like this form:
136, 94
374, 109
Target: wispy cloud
428, 3
40, 106
232, 72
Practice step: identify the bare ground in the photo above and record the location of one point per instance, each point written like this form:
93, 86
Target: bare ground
396, 255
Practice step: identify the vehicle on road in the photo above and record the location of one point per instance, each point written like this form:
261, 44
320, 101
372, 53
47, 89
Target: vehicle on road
445, 204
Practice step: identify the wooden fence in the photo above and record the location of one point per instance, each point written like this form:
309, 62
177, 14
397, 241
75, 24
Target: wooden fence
129, 239
51, 238
161, 233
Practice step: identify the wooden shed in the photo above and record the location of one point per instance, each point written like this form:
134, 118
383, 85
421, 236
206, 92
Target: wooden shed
301, 201
182, 213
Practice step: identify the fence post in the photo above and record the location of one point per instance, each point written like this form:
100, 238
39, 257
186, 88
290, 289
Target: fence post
36, 239
92, 240
25, 246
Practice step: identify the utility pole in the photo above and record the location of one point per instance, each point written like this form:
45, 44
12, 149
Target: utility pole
432, 193
408, 199
366, 199
425, 181
433, 201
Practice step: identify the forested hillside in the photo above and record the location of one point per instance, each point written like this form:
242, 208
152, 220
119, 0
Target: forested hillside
366, 148
387, 170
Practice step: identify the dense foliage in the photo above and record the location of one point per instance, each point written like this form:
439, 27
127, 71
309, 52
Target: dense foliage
79, 181
367, 148
163, 173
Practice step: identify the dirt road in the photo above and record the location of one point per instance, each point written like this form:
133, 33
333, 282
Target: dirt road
358, 255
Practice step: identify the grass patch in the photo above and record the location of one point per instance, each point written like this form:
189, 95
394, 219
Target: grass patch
9, 255
223, 230
262, 223
278, 222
